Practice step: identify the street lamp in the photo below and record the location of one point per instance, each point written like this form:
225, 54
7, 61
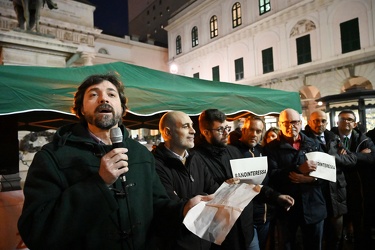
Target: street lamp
173, 68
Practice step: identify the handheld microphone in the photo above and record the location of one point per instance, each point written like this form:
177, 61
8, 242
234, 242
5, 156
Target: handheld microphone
116, 139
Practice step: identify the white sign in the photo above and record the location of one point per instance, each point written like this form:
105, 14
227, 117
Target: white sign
250, 170
326, 166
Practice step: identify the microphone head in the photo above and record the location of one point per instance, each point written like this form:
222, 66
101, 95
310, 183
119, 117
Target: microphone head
116, 135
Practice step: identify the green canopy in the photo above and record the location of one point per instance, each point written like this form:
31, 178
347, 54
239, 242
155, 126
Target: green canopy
41, 97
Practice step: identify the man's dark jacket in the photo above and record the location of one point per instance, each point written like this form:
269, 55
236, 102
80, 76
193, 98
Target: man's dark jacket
68, 205
360, 179
361, 174
183, 182
217, 159
336, 195
283, 159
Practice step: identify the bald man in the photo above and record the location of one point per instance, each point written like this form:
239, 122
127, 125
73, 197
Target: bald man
286, 159
181, 173
335, 192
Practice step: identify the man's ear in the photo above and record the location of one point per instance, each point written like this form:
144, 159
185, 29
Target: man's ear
355, 125
167, 131
309, 122
205, 133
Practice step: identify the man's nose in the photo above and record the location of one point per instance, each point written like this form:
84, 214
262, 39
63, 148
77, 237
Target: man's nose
103, 99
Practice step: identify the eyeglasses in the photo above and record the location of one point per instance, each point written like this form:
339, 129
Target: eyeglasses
288, 123
350, 120
317, 121
221, 130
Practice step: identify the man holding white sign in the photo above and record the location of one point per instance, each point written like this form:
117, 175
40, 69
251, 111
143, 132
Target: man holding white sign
335, 191
216, 155
253, 169
286, 158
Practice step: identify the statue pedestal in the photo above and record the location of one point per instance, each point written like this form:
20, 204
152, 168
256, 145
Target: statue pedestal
65, 38
28, 48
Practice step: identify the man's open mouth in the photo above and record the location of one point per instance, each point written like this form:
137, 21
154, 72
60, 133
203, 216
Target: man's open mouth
104, 109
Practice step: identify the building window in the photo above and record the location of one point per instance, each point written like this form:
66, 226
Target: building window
238, 68
178, 45
236, 15
196, 75
267, 59
194, 36
350, 40
215, 73
264, 6
303, 49
213, 27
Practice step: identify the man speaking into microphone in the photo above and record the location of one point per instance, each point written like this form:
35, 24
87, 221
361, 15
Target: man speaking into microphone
74, 198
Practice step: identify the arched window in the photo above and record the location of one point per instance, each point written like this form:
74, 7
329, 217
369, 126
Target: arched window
178, 45
103, 51
236, 15
194, 36
213, 27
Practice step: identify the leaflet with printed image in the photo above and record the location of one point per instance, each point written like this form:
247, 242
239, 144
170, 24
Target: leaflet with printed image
214, 219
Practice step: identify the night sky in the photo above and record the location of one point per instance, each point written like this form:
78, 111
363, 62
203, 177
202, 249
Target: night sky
111, 18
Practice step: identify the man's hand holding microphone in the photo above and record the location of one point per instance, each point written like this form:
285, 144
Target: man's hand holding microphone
114, 164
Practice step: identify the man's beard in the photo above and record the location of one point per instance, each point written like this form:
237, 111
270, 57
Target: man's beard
218, 143
105, 122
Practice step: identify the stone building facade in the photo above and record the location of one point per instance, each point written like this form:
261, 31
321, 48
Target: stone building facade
315, 47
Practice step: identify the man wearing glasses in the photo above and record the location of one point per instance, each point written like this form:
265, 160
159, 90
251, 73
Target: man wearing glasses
286, 159
212, 146
216, 155
360, 183
335, 192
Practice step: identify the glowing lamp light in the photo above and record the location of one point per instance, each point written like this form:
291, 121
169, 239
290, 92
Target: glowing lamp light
320, 103
173, 68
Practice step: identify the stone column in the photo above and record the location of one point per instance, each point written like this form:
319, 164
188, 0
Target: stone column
87, 58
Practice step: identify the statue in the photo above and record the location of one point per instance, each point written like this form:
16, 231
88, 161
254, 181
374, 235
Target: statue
28, 12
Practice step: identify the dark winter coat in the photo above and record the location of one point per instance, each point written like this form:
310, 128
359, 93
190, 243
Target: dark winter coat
68, 205
217, 159
183, 182
360, 178
336, 191
282, 159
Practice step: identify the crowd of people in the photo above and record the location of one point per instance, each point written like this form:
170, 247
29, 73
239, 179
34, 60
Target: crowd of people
89, 189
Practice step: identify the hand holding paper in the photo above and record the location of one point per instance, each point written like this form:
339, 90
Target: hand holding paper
195, 200
307, 167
